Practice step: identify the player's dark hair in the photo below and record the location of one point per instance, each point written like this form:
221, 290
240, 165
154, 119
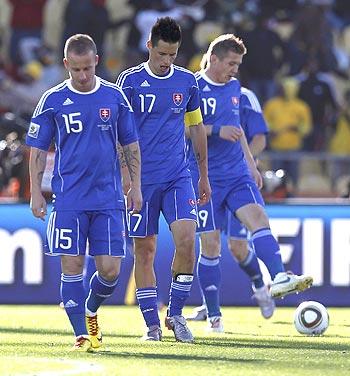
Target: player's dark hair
167, 30
221, 45
80, 44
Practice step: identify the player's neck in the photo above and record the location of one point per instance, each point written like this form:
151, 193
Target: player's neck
212, 75
84, 89
155, 71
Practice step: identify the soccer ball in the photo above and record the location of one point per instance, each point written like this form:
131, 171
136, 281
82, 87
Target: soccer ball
311, 318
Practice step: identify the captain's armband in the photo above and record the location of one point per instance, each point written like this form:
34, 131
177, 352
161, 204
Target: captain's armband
193, 118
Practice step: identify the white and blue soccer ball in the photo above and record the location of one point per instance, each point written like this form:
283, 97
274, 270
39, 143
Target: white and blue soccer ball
311, 318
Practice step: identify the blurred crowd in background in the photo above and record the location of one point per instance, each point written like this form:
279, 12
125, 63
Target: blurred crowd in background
298, 65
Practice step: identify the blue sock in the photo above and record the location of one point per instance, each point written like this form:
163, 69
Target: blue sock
268, 251
89, 270
179, 291
100, 289
147, 298
251, 267
73, 298
209, 275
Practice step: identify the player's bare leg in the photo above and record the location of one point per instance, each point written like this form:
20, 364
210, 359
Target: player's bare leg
145, 252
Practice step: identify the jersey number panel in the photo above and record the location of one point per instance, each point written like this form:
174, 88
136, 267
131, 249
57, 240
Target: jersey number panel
72, 123
209, 106
147, 102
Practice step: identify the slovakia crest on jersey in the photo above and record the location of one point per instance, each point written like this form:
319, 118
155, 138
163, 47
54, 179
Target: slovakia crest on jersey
235, 101
105, 114
178, 98
192, 202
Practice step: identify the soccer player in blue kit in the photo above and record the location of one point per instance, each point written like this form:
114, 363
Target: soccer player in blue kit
234, 178
86, 117
164, 97
255, 129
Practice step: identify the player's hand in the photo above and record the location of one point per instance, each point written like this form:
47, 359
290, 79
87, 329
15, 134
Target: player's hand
38, 205
230, 133
134, 200
126, 183
257, 177
204, 190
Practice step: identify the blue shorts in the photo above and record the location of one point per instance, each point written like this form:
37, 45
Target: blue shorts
68, 231
212, 216
233, 228
176, 200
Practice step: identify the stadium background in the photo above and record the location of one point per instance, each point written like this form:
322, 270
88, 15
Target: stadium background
310, 214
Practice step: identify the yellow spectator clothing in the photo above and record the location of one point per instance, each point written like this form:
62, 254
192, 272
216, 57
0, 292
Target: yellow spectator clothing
340, 142
280, 114
194, 64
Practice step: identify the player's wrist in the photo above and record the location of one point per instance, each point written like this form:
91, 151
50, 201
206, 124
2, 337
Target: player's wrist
135, 184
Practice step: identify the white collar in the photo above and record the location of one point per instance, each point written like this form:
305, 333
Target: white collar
97, 86
148, 70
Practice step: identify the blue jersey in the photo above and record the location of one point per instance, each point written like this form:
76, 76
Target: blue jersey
160, 104
252, 119
85, 128
220, 106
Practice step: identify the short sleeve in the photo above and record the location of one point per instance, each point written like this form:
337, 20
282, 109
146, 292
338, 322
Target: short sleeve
193, 115
127, 132
41, 130
123, 82
194, 101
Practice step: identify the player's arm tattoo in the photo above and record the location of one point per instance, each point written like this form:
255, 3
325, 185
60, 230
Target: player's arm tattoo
200, 158
121, 155
37, 164
132, 158
199, 144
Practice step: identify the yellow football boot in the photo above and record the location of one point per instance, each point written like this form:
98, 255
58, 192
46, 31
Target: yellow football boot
82, 344
94, 331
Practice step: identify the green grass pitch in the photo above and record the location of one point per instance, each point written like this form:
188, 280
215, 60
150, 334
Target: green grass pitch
35, 340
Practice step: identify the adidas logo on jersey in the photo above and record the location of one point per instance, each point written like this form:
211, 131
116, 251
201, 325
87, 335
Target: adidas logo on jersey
67, 102
145, 84
206, 88
70, 304
193, 211
243, 231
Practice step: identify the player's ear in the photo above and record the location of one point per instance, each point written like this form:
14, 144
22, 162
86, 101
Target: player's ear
65, 63
213, 58
149, 44
97, 59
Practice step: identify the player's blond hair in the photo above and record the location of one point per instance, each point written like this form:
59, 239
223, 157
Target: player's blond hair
80, 44
221, 45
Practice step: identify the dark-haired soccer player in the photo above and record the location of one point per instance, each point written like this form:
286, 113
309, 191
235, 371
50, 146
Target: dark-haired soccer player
234, 178
86, 117
164, 97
